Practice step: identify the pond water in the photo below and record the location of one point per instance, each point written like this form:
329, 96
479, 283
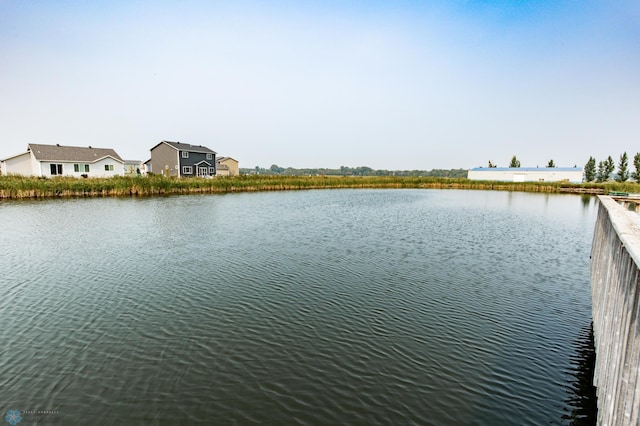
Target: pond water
308, 307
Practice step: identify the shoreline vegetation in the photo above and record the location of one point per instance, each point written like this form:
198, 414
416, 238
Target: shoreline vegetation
21, 187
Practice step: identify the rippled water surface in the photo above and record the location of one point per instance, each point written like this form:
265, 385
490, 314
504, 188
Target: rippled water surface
312, 307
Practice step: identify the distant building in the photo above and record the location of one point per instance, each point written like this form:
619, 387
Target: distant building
132, 167
527, 174
227, 166
58, 160
181, 160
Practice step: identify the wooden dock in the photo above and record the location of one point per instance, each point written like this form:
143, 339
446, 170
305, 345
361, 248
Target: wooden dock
629, 201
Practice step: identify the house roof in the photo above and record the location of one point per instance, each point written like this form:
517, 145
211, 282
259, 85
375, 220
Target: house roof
528, 169
15, 156
225, 159
179, 146
71, 153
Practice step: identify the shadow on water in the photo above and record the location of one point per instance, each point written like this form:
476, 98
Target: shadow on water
581, 397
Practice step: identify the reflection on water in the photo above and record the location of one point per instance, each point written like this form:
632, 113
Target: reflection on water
582, 393
310, 307
586, 200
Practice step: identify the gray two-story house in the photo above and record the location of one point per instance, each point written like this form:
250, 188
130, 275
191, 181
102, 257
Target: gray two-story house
182, 160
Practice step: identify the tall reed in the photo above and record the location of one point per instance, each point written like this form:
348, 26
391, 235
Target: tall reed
15, 186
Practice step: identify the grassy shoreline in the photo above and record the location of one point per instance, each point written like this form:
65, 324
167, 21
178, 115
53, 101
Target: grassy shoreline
20, 187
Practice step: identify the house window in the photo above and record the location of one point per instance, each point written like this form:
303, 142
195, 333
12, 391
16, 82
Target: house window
209, 156
185, 154
212, 170
187, 170
76, 168
56, 169
86, 168
108, 167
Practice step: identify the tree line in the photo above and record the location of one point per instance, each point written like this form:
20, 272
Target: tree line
352, 171
598, 172
605, 168
515, 163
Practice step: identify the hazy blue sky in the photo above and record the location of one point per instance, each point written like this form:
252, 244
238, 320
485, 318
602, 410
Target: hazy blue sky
385, 84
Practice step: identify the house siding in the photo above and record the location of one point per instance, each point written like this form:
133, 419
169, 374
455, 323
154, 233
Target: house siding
164, 157
96, 169
20, 165
233, 169
194, 160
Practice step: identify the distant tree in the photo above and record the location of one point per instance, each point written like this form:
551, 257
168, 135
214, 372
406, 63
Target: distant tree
355, 171
276, 169
514, 162
601, 173
590, 170
609, 167
551, 164
623, 168
491, 165
363, 171
636, 163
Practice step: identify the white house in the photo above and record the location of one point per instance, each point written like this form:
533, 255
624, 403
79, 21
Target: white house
57, 160
527, 174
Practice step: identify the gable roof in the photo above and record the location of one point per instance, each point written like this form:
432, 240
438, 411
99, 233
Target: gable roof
15, 156
225, 159
179, 146
71, 153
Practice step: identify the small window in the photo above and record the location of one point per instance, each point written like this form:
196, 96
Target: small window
76, 168
212, 170
187, 170
86, 168
185, 154
209, 156
56, 169
108, 167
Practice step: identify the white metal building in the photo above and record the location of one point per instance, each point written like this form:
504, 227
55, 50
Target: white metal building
527, 174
